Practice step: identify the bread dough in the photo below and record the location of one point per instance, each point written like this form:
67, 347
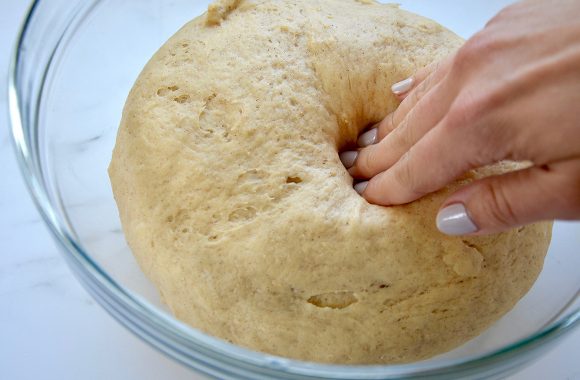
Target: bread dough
235, 203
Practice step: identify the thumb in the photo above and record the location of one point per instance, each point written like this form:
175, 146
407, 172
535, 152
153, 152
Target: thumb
498, 203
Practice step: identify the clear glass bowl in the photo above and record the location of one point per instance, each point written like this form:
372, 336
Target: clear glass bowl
74, 64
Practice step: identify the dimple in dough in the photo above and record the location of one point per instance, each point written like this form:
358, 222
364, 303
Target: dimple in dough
235, 203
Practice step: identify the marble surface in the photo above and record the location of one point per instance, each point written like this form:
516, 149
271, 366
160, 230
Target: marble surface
50, 328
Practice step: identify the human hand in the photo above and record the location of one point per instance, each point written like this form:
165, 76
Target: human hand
512, 92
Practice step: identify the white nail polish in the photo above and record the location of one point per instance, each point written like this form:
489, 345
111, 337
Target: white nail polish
402, 87
348, 158
368, 138
453, 220
361, 187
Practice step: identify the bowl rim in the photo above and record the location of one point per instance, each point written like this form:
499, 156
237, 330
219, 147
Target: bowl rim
187, 344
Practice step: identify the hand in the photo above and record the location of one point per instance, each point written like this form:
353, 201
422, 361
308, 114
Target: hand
512, 92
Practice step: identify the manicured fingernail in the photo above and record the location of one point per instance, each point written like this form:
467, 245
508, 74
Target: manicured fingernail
402, 87
361, 187
368, 138
453, 220
348, 158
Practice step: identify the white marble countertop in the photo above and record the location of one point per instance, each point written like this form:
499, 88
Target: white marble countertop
50, 328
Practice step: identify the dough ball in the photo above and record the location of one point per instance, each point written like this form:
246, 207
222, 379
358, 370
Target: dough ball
234, 201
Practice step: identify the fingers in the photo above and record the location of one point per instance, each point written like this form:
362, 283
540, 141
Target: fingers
418, 85
427, 166
496, 204
376, 158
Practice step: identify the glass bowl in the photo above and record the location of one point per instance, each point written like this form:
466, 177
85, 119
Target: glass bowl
73, 66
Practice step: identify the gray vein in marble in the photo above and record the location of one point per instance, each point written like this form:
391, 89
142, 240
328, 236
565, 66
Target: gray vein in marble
56, 285
47, 260
27, 222
83, 145
91, 139
75, 205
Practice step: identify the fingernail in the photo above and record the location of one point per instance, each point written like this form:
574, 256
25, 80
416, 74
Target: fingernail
368, 138
348, 158
453, 220
361, 187
402, 87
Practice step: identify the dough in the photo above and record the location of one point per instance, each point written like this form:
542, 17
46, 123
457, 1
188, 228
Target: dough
235, 203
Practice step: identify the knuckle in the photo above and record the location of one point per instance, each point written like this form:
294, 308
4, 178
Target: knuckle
386, 126
413, 99
464, 57
402, 137
426, 71
500, 16
421, 90
406, 180
488, 140
476, 50
401, 112
366, 164
462, 112
506, 13
414, 96
403, 175
471, 106
498, 206
408, 135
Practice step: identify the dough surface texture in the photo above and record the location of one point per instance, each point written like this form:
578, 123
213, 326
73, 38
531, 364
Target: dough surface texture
235, 204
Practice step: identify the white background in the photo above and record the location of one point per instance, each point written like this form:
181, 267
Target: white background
50, 328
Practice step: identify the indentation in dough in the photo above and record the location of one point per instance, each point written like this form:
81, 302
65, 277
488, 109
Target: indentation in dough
334, 300
410, 295
183, 98
164, 91
219, 117
293, 179
465, 262
173, 93
252, 176
242, 214
469, 244
219, 10
397, 298
380, 285
180, 53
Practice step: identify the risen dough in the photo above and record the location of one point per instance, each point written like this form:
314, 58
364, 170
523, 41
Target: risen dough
235, 203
